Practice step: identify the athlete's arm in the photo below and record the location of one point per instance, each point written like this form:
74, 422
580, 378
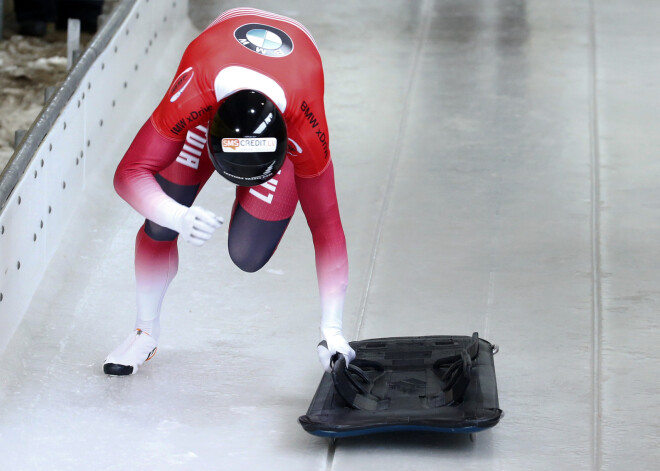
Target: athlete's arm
134, 181
318, 199
157, 145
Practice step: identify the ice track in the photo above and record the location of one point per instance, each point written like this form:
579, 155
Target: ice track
497, 170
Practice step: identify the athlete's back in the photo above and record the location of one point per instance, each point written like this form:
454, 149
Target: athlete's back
252, 49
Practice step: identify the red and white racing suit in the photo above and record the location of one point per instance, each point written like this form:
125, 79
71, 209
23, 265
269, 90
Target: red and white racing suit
167, 163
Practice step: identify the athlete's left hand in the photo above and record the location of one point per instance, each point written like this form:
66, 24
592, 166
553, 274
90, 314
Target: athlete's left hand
333, 342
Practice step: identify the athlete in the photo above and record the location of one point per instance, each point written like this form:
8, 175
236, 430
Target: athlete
251, 85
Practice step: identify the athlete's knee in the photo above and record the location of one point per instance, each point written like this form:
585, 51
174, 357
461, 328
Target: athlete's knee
184, 194
158, 232
253, 241
248, 259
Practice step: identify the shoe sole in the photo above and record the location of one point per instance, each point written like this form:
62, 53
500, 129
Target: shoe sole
115, 369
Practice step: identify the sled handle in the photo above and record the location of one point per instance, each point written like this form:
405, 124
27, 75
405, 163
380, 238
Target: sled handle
349, 388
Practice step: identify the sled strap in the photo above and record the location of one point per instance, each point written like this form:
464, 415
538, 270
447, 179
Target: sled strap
353, 384
456, 375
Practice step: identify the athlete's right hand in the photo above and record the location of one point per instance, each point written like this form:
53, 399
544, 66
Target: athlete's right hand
196, 225
333, 343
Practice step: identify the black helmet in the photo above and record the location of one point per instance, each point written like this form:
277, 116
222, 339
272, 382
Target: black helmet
247, 139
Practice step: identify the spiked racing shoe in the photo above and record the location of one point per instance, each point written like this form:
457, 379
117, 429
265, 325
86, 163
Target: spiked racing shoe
138, 347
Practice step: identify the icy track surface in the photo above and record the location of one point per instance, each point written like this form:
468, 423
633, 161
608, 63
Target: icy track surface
497, 171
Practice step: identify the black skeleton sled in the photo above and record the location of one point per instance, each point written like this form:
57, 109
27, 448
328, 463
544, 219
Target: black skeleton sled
432, 383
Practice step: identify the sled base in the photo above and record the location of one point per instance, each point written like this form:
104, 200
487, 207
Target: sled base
440, 384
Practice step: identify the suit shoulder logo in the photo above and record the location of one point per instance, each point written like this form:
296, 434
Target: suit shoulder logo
265, 40
180, 84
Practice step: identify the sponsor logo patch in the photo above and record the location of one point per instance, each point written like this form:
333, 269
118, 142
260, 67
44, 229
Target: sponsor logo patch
249, 144
265, 40
191, 118
313, 122
180, 84
293, 148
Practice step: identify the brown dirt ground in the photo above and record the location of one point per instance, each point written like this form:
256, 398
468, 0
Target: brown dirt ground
27, 66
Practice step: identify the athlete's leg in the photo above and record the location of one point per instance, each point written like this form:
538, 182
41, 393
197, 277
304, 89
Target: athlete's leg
157, 258
259, 219
156, 251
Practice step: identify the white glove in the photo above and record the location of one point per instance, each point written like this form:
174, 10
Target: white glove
333, 342
196, 225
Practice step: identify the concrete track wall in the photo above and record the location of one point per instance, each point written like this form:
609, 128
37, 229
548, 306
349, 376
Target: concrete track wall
80, 138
